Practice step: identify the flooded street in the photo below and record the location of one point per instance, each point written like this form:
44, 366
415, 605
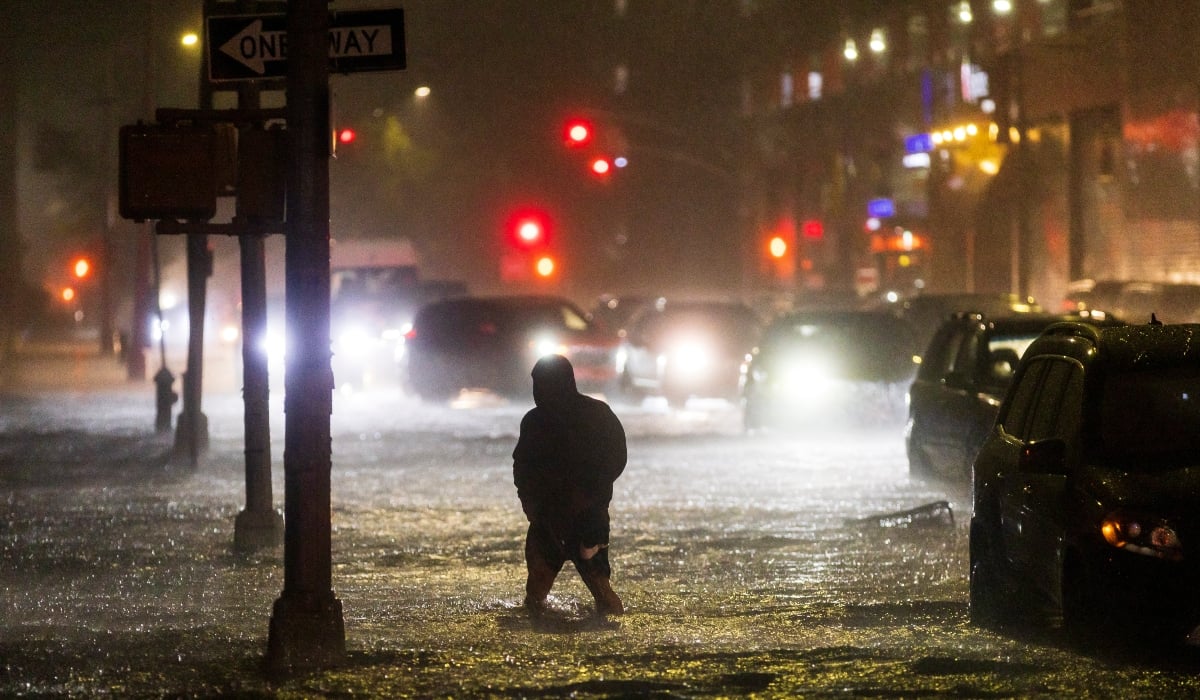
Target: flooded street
749, 565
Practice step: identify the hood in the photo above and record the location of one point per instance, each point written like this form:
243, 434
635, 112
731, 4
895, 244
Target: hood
553, 381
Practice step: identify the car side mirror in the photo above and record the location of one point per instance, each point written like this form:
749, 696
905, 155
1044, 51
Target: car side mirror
1047, 456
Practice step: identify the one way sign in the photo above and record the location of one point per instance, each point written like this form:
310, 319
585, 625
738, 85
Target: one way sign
254, 47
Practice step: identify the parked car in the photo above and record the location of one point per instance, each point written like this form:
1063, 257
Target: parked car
1087, 491
829, 368
927, 311
1135, 300
964, 373
493, 342
683, 349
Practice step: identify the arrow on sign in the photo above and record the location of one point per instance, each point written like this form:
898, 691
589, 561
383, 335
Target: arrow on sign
253, 47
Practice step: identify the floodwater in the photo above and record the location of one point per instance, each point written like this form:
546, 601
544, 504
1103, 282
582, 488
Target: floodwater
750, 565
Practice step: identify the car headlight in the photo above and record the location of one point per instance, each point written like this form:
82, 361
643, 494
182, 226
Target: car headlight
274, 346
547, 345
1142, 534
805, 376
691, 357
353, 340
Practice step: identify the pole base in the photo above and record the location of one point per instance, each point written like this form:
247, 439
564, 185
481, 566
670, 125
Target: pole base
254, 530
307, 633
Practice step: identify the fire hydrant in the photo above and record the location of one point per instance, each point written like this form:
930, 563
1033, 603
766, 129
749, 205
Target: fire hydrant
165, 397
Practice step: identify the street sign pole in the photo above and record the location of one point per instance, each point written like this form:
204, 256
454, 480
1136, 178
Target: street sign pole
306, 629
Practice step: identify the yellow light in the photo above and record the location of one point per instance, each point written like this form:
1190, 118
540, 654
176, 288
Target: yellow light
989, 166
189, 39
960, 133
1111, 534
904, 261
81, 267
1014, 134
947, 135
422, 91
972, 130
936, 137
777, 247
993, 131
851, 50
544, 266
68, 294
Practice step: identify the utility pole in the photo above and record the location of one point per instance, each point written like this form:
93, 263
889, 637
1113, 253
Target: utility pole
306, 622
191, 433
258, 525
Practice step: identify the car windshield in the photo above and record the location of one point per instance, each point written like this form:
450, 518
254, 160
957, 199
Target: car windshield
1148, 418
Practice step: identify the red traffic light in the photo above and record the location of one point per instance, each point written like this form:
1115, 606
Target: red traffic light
813, 229
528, 229
346, 135
578, 132
530, 232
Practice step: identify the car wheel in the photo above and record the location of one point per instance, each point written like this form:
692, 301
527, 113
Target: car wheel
987, 608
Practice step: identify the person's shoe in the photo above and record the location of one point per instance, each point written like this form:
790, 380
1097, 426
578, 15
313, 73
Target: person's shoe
536, 608
609, 604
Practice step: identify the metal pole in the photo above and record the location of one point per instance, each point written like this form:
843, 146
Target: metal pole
191, 434
258, 525
306, 622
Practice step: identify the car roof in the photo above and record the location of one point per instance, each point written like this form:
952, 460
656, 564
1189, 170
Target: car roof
1035, 322
1140, 346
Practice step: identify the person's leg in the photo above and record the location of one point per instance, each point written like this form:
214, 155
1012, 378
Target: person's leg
543, 561
596, 572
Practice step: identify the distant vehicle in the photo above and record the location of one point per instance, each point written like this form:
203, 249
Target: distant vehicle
615, 311
684, 349
926, 312
375, 293
823, 368
1135, 300
492, 343
1087, 490
963, 375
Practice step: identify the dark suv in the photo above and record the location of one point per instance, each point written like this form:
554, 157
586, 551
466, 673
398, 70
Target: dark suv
492, 343
1087, 490
964, 373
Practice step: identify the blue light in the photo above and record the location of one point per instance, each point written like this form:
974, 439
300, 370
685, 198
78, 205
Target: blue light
881, 208
918, 143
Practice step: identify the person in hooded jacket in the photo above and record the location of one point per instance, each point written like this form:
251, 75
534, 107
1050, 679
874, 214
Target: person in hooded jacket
570, 451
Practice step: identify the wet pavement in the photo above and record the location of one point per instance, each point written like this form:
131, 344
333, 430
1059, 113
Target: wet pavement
749, 565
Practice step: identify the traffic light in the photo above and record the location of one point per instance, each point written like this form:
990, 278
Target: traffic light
578, 132
81, 268
601, 166
777, 247
545, 266
346, 136
529, 229
814, 229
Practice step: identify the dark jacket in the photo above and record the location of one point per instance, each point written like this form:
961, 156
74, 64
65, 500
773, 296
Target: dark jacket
571, 450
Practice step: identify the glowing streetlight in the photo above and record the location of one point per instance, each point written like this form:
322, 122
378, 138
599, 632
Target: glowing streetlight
851, 50
878, 41
422, 91
189, 39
